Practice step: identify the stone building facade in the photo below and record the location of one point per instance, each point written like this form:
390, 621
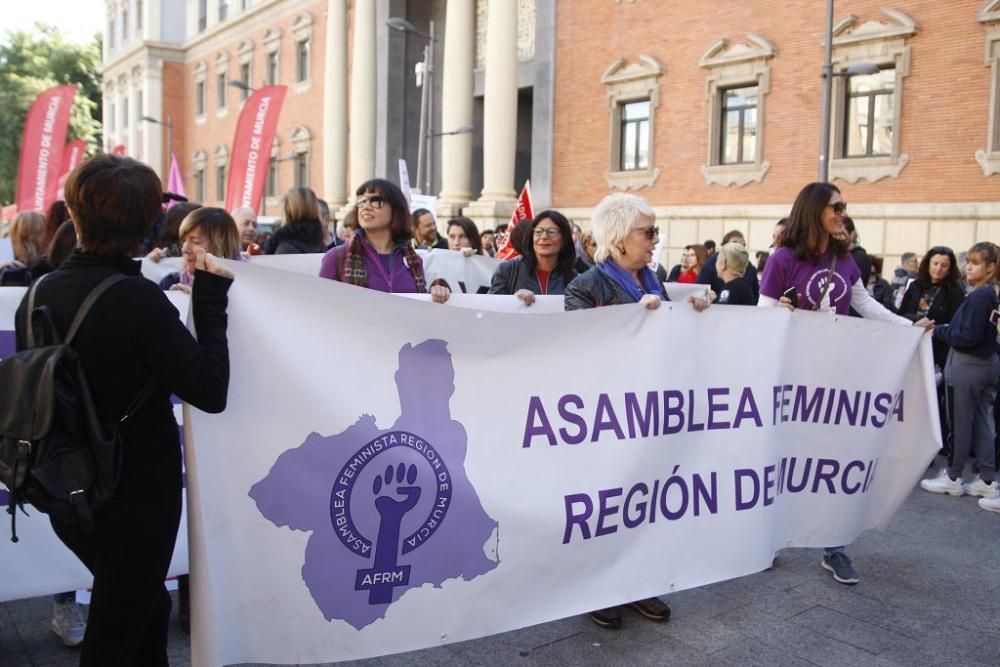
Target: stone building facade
710, 111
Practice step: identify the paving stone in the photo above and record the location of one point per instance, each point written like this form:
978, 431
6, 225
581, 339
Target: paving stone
848, 629
754, 653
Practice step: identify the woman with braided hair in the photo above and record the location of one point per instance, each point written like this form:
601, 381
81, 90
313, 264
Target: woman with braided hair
381, 256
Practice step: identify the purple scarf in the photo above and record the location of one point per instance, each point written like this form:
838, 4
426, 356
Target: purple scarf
622, 278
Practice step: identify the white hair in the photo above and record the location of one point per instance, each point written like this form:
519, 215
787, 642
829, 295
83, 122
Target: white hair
614, 219
735, 257
243, 213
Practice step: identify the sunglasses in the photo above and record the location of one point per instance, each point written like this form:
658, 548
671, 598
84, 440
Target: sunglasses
840, 208
650, 232
375, 202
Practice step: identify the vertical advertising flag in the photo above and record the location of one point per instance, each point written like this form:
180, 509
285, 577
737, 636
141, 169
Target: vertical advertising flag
522, 211
175, 183
72, 156
42, 148
252, 147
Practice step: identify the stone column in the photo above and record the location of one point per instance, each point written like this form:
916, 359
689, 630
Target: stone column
335, 104
363, 97
457, 90
500, 117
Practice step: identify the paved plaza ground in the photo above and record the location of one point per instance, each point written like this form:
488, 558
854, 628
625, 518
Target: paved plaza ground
929, 595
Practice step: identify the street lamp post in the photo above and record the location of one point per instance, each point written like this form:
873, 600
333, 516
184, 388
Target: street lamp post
169, 126
827, 94
424, 147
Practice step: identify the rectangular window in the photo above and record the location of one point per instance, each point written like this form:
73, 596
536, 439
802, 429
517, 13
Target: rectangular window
245, 80
220, 182
138, 14
199, 185
272, 178
272, 68
302, 60
220, 89
199, 98
634, 136
738, 139
223, 10
138, 106
125, 26
202, 15
302, 170
111, 33
869, 114
124, 113
245, 4
111, 116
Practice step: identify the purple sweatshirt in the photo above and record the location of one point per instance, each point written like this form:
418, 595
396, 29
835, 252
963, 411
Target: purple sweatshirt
386, 273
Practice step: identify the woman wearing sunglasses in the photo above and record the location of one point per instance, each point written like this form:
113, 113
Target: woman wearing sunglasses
812, 268
623, 229
380, 256
546, 267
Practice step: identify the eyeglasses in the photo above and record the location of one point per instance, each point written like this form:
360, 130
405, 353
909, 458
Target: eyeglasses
547, 232
840, 208
375, 202
649, 232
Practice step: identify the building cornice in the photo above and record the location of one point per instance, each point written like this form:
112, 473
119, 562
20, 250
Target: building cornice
239, 26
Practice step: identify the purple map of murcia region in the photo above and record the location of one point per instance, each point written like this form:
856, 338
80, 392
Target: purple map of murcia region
389, 510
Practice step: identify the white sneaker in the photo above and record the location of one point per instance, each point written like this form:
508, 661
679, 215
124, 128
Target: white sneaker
67, 623
943, 484
981, 488
990, 504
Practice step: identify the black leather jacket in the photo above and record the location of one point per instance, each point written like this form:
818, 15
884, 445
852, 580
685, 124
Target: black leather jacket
592, 289
513, 275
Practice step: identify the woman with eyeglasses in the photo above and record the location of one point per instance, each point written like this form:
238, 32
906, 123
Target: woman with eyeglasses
623, 227
626, 237
546, 267
812, 262
380, 256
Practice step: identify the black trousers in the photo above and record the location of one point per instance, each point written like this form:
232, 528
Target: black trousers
129, 554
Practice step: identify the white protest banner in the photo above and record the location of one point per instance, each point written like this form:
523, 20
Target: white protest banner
6, 249
471, 273
437, 484
499, 303
39, 564
681, 291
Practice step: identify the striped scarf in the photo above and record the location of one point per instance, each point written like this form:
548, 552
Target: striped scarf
355, 273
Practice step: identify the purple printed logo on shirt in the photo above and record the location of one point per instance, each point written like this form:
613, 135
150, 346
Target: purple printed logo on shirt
838, 291
388, 509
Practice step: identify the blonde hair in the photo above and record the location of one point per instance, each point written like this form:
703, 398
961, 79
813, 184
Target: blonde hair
301, 204
735, 256
26, 236
613, 220
218, 228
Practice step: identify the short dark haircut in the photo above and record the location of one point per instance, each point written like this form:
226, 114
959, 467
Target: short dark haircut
401, 226
709, 245
804, 233
953, 279
567, 251
502, 227
114, 201
731, 234
471, 232
415, 216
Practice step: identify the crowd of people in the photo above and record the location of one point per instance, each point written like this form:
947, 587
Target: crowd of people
114, 211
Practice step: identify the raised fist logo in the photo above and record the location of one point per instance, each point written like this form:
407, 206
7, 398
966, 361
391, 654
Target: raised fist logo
386, 574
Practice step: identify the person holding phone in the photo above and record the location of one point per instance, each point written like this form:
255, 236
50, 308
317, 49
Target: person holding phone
812, 268
971, 373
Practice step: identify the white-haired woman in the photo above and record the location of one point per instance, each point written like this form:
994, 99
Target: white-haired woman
625, 234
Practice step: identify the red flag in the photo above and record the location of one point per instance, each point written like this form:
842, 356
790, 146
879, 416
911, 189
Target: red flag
72, 156
251, 154
522, 211
119, 150
42, 148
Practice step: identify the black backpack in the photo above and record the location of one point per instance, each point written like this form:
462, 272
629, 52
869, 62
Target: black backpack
54, 451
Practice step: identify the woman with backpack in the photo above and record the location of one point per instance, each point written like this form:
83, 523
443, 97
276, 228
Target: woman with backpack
134, 352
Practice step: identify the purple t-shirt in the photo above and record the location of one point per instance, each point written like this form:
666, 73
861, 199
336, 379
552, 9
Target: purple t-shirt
808, 278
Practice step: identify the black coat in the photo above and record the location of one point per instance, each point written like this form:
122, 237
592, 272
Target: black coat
296, 238
133, 333
593, 289
942, 310
513, 275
